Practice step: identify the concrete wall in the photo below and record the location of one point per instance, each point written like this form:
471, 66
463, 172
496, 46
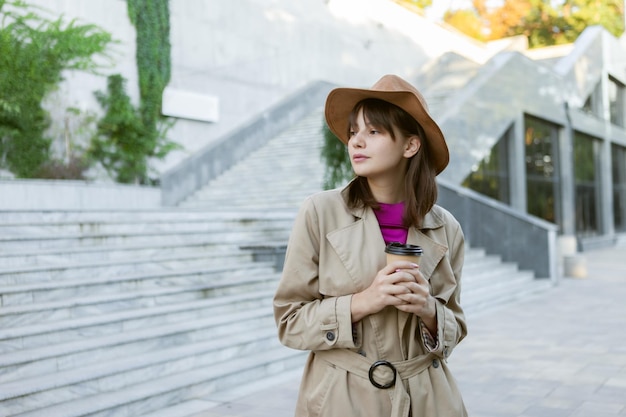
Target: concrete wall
514, 235
78, 88
249, 54
75, 195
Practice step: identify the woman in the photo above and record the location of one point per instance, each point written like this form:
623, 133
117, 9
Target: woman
379, 334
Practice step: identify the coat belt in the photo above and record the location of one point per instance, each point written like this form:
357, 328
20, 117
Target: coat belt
359, 365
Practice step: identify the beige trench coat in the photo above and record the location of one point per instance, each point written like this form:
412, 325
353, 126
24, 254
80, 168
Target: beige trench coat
334, 252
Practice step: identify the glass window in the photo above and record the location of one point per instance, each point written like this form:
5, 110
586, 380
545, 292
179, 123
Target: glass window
542, 175
588, 106
616, 102
592, 104
619, 186
586, 184
491, 176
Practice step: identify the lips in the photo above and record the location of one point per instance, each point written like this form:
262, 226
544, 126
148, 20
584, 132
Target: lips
357, 157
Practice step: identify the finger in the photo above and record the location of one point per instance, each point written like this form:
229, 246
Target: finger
406, 298
398, 290
414, 287
396, 299
419, 277
407, 308
403, 275
402, 265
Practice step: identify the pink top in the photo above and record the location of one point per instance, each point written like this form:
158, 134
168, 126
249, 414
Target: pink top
390, 220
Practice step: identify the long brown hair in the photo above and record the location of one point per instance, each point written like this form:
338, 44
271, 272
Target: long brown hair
420, 187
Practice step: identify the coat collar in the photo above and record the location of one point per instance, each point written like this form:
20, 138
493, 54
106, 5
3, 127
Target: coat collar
432, 220
364, 237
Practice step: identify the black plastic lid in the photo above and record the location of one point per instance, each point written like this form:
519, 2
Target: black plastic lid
397, 248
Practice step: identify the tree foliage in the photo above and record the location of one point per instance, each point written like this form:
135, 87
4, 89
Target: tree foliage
336, 160
119, 143
543, 22
422, 4
34, 51
124, 144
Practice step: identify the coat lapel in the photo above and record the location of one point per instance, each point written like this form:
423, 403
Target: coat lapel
360, 246
433, 251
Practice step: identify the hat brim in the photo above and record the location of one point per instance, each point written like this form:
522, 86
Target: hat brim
341, 101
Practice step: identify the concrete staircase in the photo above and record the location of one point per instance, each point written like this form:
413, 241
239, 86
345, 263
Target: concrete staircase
123, 313
165, 312
279, 175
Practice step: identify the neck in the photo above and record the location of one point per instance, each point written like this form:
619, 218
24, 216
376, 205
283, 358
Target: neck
387, 193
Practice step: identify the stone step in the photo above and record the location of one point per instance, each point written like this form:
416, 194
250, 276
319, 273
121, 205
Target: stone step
20, 275
111, 226
188, 408
260, 204
203, 407
20, 243
477, 259
299, 167
56, 290
25, 218
62, 255
494, 273
295, 194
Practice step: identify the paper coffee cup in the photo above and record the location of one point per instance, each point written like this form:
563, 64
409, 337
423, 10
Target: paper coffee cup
403, 252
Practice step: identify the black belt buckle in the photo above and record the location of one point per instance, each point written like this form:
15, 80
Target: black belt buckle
373, 368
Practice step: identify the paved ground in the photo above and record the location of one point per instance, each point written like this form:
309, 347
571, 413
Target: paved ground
558, 354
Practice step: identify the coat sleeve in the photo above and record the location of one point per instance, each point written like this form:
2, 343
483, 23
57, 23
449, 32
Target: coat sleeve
305, 318
451, 325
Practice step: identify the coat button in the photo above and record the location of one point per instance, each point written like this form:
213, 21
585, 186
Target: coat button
330, 336
445, 352
435, 363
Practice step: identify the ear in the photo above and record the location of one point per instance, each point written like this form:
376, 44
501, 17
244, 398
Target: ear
413, 145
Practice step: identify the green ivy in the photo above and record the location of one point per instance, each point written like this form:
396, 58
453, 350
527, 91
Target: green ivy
152, 23
34, 51
335, 157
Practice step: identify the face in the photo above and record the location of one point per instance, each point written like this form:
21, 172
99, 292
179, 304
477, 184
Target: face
375, 154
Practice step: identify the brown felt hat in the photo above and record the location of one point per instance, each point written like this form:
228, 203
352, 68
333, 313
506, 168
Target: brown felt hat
395, 90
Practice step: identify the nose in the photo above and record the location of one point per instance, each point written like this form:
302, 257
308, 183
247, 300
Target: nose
356, 140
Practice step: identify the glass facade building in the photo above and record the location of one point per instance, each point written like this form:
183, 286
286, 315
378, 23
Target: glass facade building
567, 166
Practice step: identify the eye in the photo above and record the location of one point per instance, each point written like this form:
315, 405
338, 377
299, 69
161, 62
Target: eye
374, 132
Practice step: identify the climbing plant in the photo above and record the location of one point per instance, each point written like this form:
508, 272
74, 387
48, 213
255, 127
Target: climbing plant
152, 23
34, 52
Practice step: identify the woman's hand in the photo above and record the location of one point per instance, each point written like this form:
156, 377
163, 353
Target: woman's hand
390, 283
418, 300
